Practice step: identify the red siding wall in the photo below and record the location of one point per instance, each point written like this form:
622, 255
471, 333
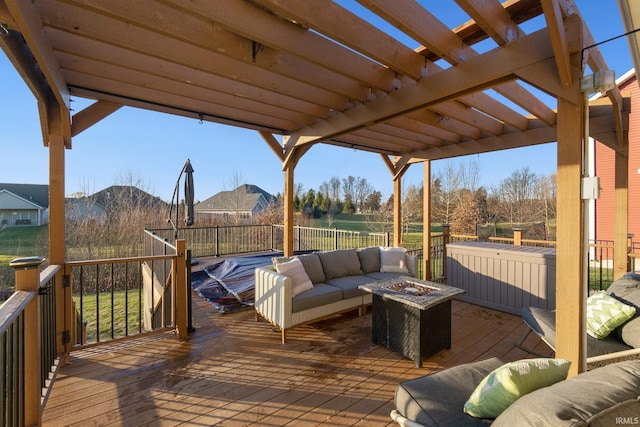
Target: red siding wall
604, 168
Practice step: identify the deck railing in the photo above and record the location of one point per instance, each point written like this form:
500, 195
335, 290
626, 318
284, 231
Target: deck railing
239, 239
600, 255
119, 297
28, 352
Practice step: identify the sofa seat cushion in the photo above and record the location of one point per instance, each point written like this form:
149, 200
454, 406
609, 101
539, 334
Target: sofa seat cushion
378, 275
369, 259
543, 322
581, 400
349, 285
438, 399
340, 263
321, 294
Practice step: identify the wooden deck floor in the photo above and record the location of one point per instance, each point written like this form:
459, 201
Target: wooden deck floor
233, 371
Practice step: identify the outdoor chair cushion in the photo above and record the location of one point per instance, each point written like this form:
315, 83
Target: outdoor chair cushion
340, 263
595, 398
438, 399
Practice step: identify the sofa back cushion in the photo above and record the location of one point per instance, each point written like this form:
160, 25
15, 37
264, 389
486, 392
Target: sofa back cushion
580, 399
310, 262
340, 263
369, 259
627, 290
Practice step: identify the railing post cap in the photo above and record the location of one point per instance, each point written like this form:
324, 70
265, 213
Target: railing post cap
27, 262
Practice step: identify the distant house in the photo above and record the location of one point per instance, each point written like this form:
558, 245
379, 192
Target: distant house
83, 208
243, 203
125, 196
24, 204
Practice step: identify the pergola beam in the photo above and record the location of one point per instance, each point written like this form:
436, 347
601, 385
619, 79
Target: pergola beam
91, 115
465, 78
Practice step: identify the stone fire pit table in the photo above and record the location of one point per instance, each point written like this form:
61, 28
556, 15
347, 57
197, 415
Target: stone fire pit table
411, 316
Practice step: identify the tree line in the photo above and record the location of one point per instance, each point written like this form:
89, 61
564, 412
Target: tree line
523, 199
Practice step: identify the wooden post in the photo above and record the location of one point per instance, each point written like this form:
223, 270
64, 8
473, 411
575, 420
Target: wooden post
570, 288
288, 210
397, 211
57, 248
621, 216
181, 293
517, 237
28, 279
426, 221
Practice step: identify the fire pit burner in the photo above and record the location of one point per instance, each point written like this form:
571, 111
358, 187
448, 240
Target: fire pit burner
412, 288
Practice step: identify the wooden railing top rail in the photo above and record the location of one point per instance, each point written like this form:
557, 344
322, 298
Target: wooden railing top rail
48, 273
12, 307
121, 260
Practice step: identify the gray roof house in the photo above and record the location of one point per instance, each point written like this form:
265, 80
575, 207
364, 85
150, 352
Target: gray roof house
240, 204
84, 208
23, 204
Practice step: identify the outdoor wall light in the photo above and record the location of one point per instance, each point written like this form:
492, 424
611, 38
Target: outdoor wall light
600, 81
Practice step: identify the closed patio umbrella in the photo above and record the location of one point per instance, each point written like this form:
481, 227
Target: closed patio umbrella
188, 194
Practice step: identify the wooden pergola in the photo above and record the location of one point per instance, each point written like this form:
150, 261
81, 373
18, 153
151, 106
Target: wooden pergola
314, 72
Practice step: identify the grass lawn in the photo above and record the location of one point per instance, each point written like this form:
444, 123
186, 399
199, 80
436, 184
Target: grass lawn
124, 321
22, 241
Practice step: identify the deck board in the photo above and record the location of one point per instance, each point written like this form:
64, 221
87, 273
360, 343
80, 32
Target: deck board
233, 371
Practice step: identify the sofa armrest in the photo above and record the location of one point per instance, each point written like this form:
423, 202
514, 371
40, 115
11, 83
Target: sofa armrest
412, 264
273, 298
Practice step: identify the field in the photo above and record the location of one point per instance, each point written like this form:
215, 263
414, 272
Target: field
22, 241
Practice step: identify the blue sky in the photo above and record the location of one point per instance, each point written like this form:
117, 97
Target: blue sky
153, 147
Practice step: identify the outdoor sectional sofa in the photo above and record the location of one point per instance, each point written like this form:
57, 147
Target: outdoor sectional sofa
335, 276
605, 396
624, 340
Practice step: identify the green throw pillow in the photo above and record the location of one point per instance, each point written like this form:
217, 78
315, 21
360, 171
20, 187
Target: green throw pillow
506, 384
605, 313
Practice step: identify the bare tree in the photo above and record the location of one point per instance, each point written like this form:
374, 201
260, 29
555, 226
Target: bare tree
362, 191
466, 214
545, 193
445, 193
334, 189
516, 194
